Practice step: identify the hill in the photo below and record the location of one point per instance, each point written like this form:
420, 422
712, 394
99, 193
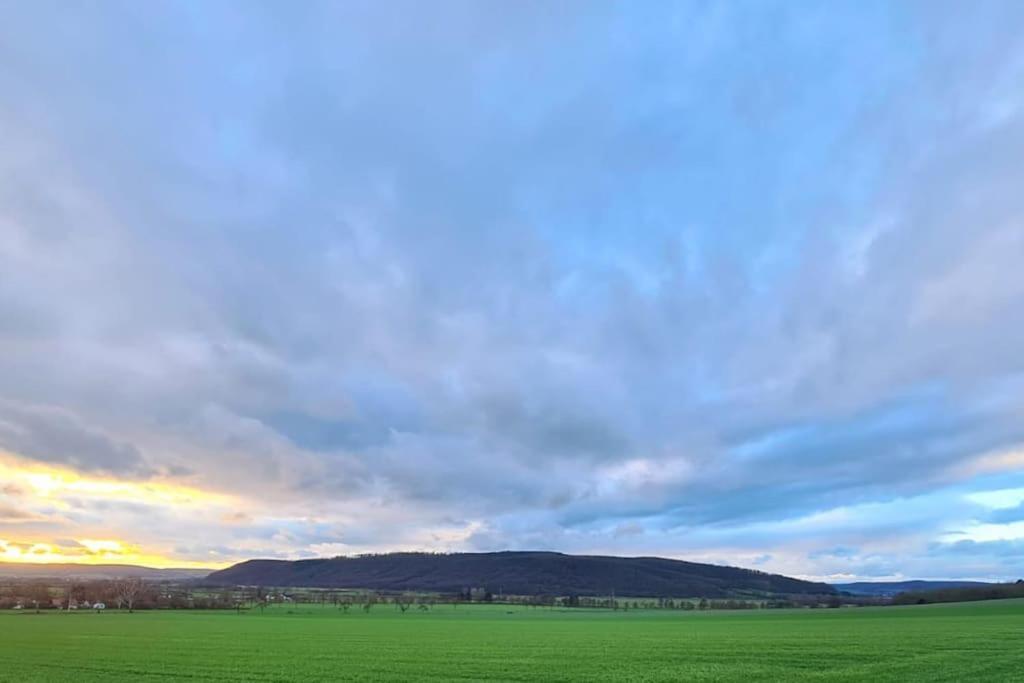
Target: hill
21, 570
890, 588
990, 591
517, 573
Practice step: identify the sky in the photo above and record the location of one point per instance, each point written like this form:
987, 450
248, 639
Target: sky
728, 282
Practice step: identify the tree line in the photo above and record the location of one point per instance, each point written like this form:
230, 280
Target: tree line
133, 593
126, 593
997, 591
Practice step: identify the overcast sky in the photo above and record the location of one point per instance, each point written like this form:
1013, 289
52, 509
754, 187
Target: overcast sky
732, 282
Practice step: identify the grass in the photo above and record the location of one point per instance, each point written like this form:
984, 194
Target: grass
950, 642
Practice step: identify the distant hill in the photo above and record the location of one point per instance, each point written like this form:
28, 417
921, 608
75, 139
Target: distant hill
985, 591
21, 570
517, 573
890, 588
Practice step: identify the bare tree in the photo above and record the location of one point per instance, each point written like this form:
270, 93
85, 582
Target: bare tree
404, 601
74, 593
128, 590
38, 593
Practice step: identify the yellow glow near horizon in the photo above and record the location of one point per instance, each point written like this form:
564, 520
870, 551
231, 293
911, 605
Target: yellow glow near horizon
51, 482
53, 487
93, 551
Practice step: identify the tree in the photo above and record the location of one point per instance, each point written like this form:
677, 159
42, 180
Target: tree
38, 593
74, 592
128, 591
403, 601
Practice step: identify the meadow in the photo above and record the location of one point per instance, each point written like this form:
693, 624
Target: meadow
948, 642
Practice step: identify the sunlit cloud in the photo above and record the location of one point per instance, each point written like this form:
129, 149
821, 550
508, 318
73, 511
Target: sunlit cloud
46, 482
1010, 460
997, 499
51, 495
983, 533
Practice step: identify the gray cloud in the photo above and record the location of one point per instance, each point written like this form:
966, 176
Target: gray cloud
489, 265
55, 436
1007, 515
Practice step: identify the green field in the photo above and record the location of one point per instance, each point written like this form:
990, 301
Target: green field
953, 642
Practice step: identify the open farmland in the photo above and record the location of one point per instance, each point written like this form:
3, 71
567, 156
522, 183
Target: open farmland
969, 641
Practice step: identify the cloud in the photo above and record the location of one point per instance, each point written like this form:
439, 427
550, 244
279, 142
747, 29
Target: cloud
11, 490
689, 280
56, 436
1006, 516
10, 514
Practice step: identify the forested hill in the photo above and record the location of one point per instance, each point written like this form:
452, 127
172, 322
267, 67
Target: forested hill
890, 588
517, 573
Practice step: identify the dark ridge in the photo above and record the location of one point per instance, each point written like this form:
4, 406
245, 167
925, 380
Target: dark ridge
992, 591
517, 573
